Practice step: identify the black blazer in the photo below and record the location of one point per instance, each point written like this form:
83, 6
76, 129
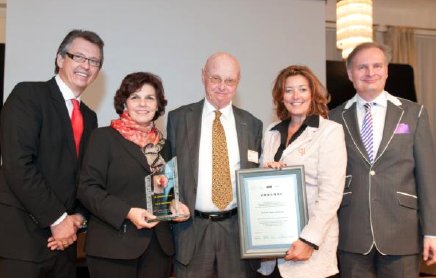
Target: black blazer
111, 182
39, 174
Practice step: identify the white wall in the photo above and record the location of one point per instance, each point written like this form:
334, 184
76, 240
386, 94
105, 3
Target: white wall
2, 21
172, 39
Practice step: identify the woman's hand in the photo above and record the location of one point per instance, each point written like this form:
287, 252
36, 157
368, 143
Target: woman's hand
299, 251
138, 217
182, 210
274, 164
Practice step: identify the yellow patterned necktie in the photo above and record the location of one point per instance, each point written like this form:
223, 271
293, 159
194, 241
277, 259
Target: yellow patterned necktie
222, 193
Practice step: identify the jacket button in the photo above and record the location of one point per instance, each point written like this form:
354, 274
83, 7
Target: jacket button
372, 173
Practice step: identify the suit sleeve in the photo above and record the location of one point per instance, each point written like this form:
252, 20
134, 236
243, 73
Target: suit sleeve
93, 182
20, 128
425, 174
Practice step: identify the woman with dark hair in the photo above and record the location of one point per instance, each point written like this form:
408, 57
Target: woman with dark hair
304, 136
120, 242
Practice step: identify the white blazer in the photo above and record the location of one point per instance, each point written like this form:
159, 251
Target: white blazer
322, 151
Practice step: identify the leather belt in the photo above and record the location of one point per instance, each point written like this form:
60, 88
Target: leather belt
216, 216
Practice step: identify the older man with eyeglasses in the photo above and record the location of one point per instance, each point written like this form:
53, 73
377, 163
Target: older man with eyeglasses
44, 130
211, 139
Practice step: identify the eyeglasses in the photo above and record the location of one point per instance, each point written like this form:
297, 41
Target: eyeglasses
81, 59
217, 80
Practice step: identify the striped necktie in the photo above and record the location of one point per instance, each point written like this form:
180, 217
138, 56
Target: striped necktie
366, 133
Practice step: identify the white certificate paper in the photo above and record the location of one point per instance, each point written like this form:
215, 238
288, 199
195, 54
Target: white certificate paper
273, 210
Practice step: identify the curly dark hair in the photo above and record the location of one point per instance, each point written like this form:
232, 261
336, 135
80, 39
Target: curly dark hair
134, 82
320, 96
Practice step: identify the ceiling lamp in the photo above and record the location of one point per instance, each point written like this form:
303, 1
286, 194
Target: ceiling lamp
353, 24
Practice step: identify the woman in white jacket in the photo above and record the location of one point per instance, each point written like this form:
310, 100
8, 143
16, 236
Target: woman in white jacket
305, 137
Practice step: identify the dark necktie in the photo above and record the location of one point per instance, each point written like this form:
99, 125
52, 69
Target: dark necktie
77, 124
222, 193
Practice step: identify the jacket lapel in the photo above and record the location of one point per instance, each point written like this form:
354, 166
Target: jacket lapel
349, 116
242, 133
87, 127
394, 115
133, 149
302, 142
62, 111
193, 127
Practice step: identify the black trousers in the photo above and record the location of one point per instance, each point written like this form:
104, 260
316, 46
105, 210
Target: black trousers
60, 266
152, 263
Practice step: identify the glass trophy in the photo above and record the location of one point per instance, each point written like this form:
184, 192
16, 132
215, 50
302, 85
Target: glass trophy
162, 190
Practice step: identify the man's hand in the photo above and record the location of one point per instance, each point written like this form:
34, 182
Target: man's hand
429, 252
138, 217
64, 233
299, 251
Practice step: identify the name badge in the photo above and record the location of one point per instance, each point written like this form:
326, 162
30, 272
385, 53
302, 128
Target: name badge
253, 156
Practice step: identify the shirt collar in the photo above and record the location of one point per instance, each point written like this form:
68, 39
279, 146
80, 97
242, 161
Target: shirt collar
310, 121
381, 100
67, 93
208, 108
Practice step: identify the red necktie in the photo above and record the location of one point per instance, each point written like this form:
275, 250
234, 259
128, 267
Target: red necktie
77, 123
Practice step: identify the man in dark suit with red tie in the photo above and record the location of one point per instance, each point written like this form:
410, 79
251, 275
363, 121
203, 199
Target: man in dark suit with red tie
44, 131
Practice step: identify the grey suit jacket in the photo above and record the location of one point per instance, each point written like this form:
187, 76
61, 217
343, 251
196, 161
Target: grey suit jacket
183, 135
390, 203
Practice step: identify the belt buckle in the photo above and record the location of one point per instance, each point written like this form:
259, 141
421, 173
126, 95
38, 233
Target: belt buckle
216, 217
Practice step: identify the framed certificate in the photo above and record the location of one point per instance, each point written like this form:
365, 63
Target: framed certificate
272, 210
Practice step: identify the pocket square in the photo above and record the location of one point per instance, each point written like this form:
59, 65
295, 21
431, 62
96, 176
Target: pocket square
402, 128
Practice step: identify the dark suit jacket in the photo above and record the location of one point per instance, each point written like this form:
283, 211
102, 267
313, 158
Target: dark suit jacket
40, 167
184, 130
111, 182
391, 202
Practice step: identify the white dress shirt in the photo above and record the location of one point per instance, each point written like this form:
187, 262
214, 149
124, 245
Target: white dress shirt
67, 94
378, 112
204, 190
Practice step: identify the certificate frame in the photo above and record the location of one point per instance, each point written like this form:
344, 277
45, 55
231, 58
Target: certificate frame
272, 210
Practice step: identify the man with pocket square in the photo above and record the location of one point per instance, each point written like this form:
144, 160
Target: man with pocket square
387, 216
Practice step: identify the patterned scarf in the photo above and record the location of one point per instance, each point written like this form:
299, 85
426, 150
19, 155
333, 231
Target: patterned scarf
148, 138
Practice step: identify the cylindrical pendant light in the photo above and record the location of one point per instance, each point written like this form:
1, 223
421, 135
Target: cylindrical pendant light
353, 24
